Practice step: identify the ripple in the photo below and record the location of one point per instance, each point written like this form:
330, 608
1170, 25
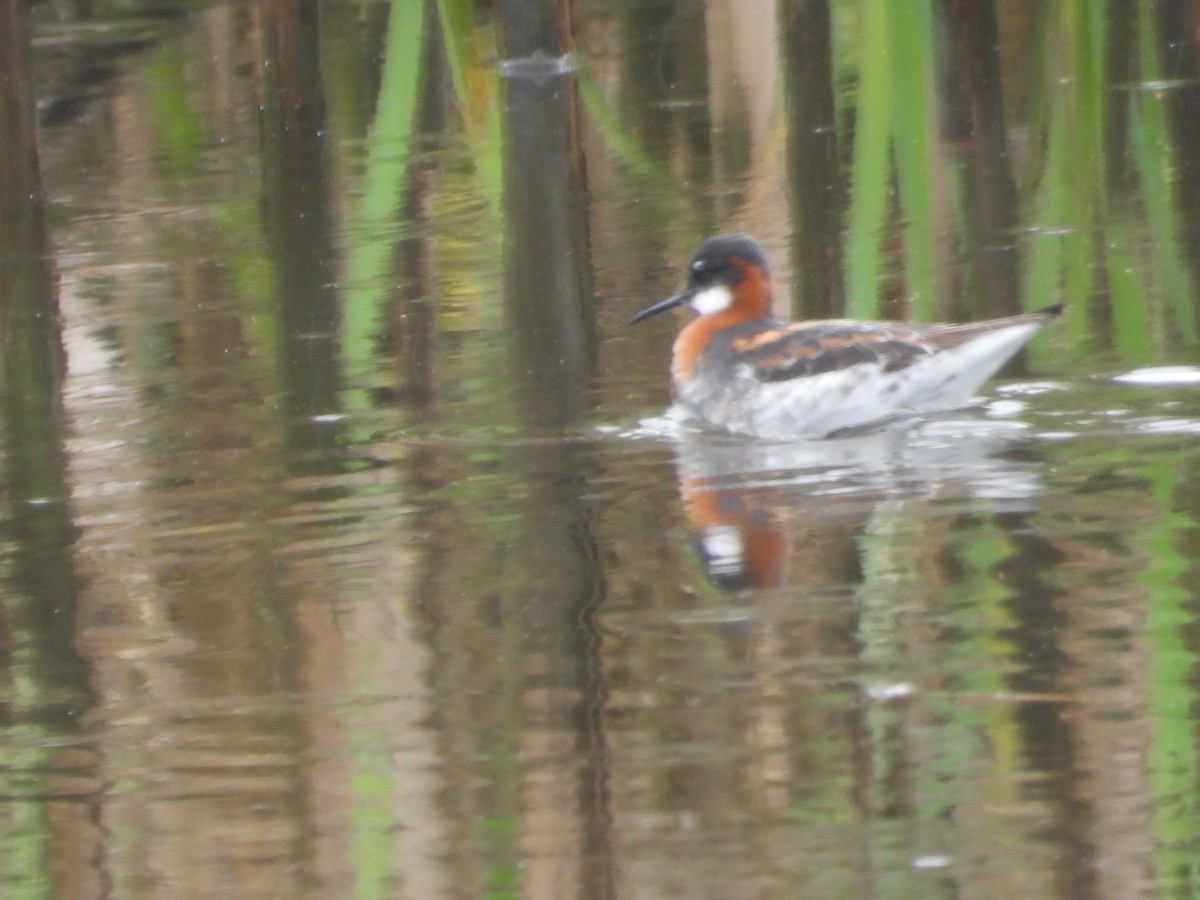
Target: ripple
1157, 85
1031, 388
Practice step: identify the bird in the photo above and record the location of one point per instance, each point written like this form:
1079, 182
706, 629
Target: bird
739, 369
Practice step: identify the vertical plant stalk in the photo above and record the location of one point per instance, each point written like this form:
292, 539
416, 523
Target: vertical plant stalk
1155, 160
374, 230
912, 54
869, 169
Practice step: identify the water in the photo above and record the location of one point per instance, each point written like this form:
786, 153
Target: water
363, 560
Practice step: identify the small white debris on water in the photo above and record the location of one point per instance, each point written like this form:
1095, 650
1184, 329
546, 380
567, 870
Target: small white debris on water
931, 862
1161, 375
892, 691
1164, 425
1031, 388
1006, 408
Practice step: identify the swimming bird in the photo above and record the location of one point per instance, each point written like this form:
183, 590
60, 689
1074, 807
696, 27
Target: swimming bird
738, 368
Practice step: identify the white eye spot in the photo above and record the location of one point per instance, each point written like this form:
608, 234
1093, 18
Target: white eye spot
712, 300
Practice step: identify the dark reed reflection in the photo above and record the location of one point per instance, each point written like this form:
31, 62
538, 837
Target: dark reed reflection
551, 322
974, 127
817, 192
45, 683
34, 423
1179, 44
298, 218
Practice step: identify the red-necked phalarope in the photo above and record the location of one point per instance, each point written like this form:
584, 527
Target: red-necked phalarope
739, 368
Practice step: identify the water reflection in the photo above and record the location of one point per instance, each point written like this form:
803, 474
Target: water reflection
753, 503
45, 681
894, 628
567, 837
331, 570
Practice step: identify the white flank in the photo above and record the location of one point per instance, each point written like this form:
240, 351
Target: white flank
713, 299
816, 405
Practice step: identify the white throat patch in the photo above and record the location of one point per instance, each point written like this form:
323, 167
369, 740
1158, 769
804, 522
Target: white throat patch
713, 299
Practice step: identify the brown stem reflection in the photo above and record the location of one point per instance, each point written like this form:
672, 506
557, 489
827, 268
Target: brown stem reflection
296, 196
33, 355
38, 623
1122, 63
297, 192
549, 307
33, 370
973, 124
414, 322
1055, 744
662, 63
817, 190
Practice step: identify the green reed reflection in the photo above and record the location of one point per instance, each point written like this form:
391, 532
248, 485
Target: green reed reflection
912, 53
893, 114
387, 212
870, 174
1111, 252
372, 238
1173, 314
1171, 699
470, 45
1099, 218
182, 126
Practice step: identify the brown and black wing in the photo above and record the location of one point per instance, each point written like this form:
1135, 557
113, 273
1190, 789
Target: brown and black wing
804, 349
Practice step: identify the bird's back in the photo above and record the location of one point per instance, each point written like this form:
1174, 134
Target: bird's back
808, 380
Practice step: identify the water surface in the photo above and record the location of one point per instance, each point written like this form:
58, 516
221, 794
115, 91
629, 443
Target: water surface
352, 555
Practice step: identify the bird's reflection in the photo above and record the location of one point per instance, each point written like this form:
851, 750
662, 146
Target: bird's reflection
768, 515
